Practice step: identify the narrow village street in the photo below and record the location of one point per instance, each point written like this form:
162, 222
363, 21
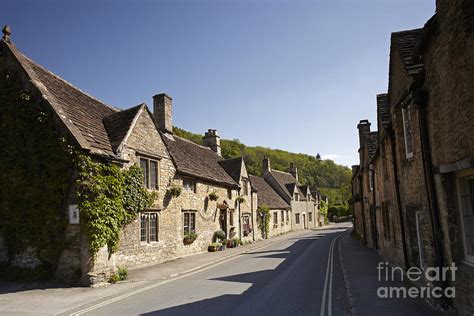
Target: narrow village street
294, 274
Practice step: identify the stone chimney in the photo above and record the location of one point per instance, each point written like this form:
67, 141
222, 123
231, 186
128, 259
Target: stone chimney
162, 111
212, 140
293, 170
364, 128
266, 165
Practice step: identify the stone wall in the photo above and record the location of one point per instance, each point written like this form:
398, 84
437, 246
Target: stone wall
298, 208
282, 226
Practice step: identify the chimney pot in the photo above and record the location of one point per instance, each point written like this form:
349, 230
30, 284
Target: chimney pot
212, 140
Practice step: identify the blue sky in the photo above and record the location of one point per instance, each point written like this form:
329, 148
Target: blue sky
294, 75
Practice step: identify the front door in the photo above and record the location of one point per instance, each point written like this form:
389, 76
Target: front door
223, 221
304, 221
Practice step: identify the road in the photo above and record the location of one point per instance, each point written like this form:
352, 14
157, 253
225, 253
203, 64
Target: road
293, 276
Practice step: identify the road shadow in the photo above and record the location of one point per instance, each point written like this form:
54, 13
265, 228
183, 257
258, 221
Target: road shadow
261, 298
7, 287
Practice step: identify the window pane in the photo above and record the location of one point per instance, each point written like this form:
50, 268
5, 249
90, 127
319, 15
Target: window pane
143, 226
192, 222
153, 227
186, 223
153, 174
188, 185
144, 166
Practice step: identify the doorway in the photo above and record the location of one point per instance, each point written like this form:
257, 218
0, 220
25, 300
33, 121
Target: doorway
223, 221
304, 221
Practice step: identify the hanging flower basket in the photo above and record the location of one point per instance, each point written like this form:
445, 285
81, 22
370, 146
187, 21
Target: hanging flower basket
213, 196
175, 191
240, 199
189, 238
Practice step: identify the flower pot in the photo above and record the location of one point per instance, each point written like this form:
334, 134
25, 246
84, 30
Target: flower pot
188, 241
212, 248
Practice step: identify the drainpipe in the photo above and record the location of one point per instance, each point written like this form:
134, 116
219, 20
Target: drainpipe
253, 209
374, 209
399, 200
420, 100
362, 200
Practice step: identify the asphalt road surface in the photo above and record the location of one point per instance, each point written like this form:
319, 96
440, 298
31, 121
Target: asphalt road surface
295, 276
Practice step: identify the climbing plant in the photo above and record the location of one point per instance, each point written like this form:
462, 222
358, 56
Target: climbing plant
109, 198
36, 175
263, 219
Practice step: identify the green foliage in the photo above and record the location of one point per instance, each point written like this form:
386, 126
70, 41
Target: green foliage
218, 235
263, 219
108, 199
332, 179
122, 273
36, 174
175, 190
213, 196
340, 210
114, 279
323, 210
240, 199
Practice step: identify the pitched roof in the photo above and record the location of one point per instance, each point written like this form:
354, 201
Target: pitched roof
405, 43
372, 143
81, 113
119, 123
383, 109
233, 167
266, 195
288, 183
197, 161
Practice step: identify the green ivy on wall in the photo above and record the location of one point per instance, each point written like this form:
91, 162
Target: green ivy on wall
263, 219
37, 172
109, 197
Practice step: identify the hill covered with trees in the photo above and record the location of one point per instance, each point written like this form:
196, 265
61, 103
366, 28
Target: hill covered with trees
332, 180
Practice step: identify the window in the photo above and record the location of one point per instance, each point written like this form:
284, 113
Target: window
466, 199
246, 225
229, 193
245, 185
308, 197
297, 197
310, 216
282, 217
189, 222
150, 173
421, 250
408, 133
231, 217
275, 217
148, 227
189, 185
297, 218
287, 216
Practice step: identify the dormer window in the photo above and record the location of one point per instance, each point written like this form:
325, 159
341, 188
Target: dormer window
297, 197
150, 173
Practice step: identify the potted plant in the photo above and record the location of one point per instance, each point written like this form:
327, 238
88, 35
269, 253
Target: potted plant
175, 191
236, 242
213, 247
222, 246
213, 196
230, 243
240, 199
189, 238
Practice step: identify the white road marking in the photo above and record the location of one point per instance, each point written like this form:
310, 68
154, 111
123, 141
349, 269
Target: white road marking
328, 287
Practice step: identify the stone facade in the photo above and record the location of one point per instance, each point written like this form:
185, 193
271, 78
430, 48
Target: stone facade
424, 161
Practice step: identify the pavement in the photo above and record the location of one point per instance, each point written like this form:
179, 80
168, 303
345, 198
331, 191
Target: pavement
323, 271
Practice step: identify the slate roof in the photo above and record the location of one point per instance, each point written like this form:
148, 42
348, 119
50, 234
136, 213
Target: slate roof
287, 182
81, 113
119, 123
266, 194
405, 43
233, 167
383, 109
197, 161
372, 143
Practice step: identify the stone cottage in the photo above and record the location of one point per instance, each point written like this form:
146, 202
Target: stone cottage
420, 175
215, 193
299, 197
280, 210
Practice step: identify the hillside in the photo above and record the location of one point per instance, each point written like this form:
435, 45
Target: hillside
331, 179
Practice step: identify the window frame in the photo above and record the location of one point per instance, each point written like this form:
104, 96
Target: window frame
147, 173
297, 219
463, 176
310, 217
407, 132
275, 218
191, 215
245, 186
246, 226
148, 215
